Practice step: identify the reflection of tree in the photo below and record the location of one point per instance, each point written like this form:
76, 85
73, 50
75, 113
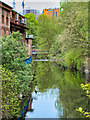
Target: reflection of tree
44, 76
70, 93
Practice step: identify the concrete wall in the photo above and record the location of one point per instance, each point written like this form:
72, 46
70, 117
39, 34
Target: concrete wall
29, 46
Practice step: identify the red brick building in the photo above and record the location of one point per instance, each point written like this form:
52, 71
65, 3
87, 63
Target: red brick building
11, 21
5, 11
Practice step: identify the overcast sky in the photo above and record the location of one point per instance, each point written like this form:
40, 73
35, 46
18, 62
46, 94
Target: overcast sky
35, 4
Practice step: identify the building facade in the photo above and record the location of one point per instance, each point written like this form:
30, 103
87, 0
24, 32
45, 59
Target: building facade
18, 23
10, 21
52, 13
35, 12
5, 12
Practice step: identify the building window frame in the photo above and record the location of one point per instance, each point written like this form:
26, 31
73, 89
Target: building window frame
2, 19
7, 21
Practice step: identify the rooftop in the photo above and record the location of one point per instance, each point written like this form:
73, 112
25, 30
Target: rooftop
2, 3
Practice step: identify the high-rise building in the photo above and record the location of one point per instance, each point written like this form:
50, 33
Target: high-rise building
51, 12
35, 12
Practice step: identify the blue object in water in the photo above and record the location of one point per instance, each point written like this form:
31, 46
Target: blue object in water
28, 61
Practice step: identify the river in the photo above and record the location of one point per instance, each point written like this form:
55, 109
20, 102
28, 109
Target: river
57, 92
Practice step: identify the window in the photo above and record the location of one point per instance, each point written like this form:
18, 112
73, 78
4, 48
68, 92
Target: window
2, 12
6, 20
56, 14
7, 14
20, 20
16, 17
11, 15
2, 16
2, 19
25, 21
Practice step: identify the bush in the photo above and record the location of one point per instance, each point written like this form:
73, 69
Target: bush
13, 55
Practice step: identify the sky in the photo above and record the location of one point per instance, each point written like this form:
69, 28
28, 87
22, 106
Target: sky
34, 4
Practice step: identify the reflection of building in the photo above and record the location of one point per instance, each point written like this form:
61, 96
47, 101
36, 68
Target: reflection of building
52, 12
11, 21
35, 12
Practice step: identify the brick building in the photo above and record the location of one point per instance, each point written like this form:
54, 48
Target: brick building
52, 12
11, 20
18, 23
5, 11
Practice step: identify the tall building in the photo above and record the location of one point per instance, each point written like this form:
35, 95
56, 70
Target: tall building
35, 12
52, 12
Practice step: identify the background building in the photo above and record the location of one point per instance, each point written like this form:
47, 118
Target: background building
52, 12
35, 12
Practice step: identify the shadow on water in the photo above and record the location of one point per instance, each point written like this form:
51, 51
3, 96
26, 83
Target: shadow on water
57, 94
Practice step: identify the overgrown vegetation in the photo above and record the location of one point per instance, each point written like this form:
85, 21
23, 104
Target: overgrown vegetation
65, 38
13, 55
86, 88
72, 43
16, 75
46, 32
10, 94
32, 24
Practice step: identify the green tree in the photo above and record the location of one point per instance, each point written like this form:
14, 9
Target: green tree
32, 23
46, 32
72, 42
10, 95
13, 55
85, 87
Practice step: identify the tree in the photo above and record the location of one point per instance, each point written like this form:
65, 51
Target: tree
13, 55
72, 42
10, 99
85, 87
32, 23
47, 31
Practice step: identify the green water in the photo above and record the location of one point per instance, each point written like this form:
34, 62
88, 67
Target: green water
59, 91
58, 96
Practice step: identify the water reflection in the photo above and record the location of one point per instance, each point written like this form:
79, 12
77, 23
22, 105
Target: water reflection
44, 104
59, 92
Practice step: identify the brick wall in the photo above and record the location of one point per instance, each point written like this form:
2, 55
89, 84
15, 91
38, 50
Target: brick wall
4, 19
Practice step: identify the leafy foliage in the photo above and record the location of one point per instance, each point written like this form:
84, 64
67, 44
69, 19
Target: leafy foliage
85, 87
13, 55
46, 32
10, 95
33, 26
72, 43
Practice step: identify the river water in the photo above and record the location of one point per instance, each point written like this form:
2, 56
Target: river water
57, 92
